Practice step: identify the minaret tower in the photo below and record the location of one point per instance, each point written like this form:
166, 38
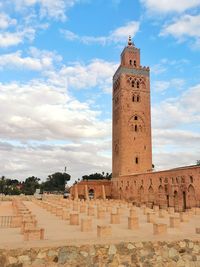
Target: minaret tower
131, 143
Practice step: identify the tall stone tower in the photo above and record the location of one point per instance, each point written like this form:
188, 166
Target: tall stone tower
132, 149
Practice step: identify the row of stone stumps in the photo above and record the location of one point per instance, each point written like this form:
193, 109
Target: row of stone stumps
71, 210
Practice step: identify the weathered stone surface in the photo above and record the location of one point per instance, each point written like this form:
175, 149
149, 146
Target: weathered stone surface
182, 244
130, 246
38, 262
24, 258
173, 252
12, 260
112, 250
84, 253
41, 255
184, 253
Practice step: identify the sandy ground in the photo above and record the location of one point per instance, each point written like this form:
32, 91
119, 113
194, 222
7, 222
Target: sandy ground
59, 232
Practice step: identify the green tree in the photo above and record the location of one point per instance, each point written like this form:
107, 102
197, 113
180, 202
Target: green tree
30, 185
97, 176
56, 182
198, 162
9, 186
2, 184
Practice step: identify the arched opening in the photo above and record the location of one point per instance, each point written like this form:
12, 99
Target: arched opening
191, 190
120, 193
133, 98
151, 195
138, 98
133, 83
138, 85
161, 189
191, 196
130, 62
141, 194
176, 202
162, 197
91, 193
184, 201
134, 63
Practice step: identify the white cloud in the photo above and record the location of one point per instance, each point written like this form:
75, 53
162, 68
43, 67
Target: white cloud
175, 125
6, 21
178, 112
166, 6
119, 35
48, 129
98, 73
165, 64
8, 39
174, 84
185, 26
38, 61
168, 160
24, 160
39, 111
47, 8
67, 130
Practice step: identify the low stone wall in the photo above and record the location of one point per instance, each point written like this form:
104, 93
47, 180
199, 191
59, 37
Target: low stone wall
143, 254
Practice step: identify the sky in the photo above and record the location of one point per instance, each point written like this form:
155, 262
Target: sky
57, 59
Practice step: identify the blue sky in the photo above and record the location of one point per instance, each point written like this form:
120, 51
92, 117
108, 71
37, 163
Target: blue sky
57, 59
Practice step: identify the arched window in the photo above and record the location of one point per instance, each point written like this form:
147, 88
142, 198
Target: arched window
136, 118
133, 98
136, 160
136, 128
138, 98
134, 63
160, 189
91, 193
130, 62
138, 85
191, 179
133, 83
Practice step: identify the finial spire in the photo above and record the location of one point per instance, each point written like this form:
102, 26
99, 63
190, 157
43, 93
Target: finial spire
129, 40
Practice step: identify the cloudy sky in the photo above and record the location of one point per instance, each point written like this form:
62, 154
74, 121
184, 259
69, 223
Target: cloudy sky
57, 59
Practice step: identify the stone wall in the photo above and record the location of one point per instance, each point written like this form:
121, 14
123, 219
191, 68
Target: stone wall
94, 185
142, 254
179, 188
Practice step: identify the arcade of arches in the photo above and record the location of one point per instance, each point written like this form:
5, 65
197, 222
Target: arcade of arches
178, 188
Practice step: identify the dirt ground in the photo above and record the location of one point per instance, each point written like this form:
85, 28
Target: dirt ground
59, 232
